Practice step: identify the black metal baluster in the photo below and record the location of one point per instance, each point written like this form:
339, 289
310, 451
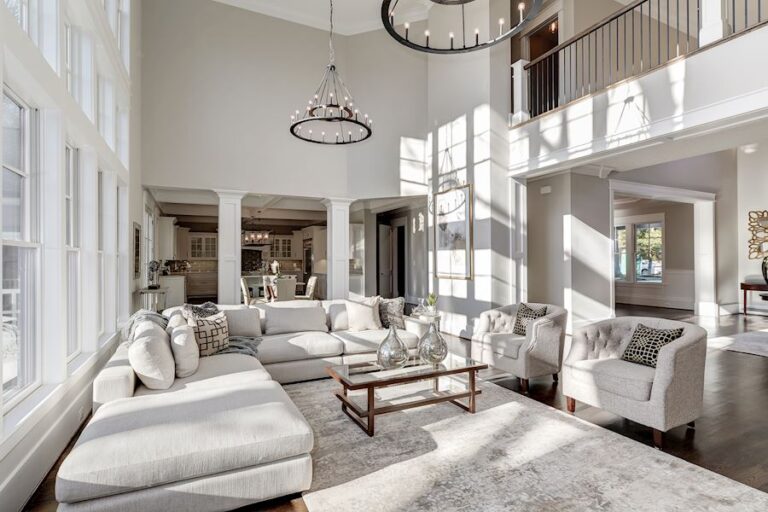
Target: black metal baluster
668, 42
625, 45
641, 39
733, 16
677, 25
658, 32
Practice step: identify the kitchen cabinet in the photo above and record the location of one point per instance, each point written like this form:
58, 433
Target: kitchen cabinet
297, 249
282, 247
166, 238
203, 246
202, 284
176, 290
182, 243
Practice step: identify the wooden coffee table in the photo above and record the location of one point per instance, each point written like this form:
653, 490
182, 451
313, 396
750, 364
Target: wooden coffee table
369, 377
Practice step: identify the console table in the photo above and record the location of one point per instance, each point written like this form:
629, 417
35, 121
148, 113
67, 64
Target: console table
752, 287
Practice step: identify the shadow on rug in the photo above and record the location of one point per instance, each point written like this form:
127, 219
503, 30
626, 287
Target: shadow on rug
754, 342
515, 454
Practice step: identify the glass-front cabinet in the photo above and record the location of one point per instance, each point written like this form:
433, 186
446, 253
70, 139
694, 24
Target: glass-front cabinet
203, 246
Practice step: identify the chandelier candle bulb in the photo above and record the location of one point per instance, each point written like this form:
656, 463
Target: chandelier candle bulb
407, 27
477, 36
521, 8
426, 33
501, 27
450, 34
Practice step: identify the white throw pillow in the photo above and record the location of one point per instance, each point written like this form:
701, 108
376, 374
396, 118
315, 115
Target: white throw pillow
363, 315
151, 357
244, 322
186, 353
285, 320
175, 320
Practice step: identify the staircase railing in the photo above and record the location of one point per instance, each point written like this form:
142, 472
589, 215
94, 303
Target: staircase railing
641, 36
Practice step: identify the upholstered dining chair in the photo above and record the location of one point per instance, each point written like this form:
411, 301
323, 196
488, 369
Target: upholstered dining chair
536, 353
309, 293
286, 288
664, 397
245, 288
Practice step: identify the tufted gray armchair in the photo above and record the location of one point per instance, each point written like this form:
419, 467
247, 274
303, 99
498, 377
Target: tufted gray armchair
662, 398
538, 353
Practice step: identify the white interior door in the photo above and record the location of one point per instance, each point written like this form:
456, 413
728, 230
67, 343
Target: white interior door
385, 261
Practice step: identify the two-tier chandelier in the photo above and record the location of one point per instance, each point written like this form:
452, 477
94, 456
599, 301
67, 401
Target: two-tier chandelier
462, 37
331, 116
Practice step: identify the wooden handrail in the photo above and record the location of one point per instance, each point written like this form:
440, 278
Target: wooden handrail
597, 26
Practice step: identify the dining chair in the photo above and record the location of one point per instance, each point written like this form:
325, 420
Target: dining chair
286, 288
309, 293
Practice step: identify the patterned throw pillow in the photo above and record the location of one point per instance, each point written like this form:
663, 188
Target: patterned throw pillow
525, 315
211, 333
205, 310
646, 342
391, 312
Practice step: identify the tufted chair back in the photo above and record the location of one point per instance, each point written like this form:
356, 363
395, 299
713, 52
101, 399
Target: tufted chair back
502, 320
608, 339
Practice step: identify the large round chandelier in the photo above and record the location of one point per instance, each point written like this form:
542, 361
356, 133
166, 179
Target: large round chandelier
331, 116
463, 37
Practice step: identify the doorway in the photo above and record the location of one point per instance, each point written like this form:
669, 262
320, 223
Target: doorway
393, 250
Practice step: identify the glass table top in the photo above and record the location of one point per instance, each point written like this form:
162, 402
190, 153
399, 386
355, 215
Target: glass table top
362, 374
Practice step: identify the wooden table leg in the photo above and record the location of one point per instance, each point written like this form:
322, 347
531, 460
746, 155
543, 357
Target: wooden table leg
745, 302
371, 413
472, 389
344, 392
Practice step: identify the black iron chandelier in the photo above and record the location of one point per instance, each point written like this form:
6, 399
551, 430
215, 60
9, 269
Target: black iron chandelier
331, 116
463, 38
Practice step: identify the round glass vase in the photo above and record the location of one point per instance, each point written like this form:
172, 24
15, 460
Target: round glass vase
432, 346
392, 352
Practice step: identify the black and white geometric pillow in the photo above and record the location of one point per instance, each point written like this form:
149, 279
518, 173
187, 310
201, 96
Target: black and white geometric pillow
646, 343
525, 315
211, 333
190, 311
391, 312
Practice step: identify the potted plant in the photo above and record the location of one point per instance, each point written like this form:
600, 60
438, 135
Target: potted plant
431, 303
153, 267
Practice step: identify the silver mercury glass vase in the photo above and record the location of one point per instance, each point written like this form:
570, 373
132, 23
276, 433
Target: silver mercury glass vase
432, 346
392, 352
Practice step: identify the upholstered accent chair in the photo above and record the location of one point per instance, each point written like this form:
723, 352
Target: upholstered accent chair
539, 352
662, 398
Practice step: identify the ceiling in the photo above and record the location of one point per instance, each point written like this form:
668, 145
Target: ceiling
350, 16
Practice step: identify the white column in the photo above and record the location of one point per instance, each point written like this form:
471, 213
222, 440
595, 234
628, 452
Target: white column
714, 21
520, 110
52, 279
229, 245
705, 260
89, 243
338, 248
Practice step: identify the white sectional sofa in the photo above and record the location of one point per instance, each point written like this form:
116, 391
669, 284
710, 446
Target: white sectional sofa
225, 437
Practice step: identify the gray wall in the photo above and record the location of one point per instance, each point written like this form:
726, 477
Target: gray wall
219, 84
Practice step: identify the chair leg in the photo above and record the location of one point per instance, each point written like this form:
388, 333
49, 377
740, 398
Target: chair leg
555, 377
570, 404
523, 385
658, 439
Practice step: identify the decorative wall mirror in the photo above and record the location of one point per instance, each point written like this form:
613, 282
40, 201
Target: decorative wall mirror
758, 226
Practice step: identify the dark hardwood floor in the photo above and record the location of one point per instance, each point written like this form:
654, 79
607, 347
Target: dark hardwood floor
731, 438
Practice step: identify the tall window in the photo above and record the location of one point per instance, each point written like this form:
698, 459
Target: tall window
69, 59
100, 252
639, 250
25, 12
20, 255
72, 219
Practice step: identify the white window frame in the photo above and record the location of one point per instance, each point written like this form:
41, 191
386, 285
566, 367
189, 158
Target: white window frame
72, 245
101, 279
30, 239
629, 223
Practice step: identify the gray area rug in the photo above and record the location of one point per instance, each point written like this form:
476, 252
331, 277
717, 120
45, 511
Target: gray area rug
515, 454
754, 342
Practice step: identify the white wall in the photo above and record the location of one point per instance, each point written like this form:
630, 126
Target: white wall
220, 83
753, 195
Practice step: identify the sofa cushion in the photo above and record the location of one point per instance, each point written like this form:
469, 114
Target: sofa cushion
504, 344
221, 370
633, 381
296, 319
338, 316
363, 315
298, 346
221, 307
288, 304
150, 356
146, 441
368, 341
244, 322
186, 353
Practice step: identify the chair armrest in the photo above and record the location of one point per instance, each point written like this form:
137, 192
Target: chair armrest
679, 379
416, 326
116, 380
546, 337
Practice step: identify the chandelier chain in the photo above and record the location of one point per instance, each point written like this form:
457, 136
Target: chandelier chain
332, 56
